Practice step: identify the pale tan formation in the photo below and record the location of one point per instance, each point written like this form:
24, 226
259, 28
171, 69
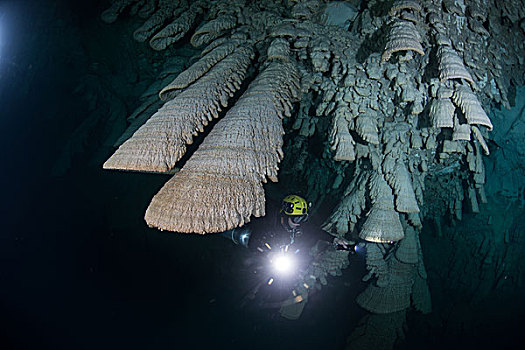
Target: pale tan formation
213, 29
366, 127
395, 296
165, 10
376, 265
451, 66
351, 206
279, 50
162, 140
401, 276
467, 101
461, 132
477, 134
382, 224
442, 113
409, 16
403, 36
407, 249
220, 186
340, 139
398, 177
199, 68
320, 54
174, 31
287, 29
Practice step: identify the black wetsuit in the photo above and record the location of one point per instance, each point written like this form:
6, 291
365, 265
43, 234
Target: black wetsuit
268, 236
268, 230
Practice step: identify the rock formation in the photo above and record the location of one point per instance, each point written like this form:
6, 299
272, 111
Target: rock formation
395, 93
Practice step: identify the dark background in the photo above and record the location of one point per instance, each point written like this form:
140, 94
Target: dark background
79, 269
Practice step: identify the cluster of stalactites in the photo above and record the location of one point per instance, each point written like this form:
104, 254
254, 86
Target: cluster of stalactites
220, 186
455, 104
490, 48
390, 192
168, 21
396, 276
161, 141
235, 158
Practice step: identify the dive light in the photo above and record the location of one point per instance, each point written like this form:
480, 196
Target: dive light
239, 235
282, 262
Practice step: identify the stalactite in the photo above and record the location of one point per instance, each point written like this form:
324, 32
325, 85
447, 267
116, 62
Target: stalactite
398, 101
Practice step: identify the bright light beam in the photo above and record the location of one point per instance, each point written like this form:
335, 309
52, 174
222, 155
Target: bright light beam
283, 263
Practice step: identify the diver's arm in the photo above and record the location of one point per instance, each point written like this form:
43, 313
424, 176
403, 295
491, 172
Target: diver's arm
344, 244
339, 243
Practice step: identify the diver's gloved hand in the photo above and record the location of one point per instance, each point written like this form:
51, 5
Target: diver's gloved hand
293, 307
343, 244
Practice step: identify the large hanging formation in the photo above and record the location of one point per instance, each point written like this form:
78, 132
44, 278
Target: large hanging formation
392, 116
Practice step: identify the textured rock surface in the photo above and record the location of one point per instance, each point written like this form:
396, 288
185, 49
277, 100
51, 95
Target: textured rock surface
400, 96
229, 167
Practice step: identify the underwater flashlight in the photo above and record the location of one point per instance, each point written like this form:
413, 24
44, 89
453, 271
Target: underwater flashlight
360, 248
283, 263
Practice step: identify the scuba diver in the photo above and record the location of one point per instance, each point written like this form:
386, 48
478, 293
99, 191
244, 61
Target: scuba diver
285, 251
283, 233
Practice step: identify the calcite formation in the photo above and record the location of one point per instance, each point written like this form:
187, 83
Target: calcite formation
231, 164
161, 141
396, 98
403, 37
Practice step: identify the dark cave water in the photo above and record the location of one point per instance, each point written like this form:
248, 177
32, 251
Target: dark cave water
79, 269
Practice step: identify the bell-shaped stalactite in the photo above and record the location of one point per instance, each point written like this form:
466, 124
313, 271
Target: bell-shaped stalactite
467, 101
403, 36
442, 113
382, 224
451, 65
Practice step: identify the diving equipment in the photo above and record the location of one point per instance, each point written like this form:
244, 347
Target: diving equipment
239, 235
294, 205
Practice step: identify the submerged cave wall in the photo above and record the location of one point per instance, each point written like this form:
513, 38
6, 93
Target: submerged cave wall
477, 265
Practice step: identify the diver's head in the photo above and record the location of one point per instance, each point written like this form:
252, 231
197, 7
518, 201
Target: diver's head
294, 211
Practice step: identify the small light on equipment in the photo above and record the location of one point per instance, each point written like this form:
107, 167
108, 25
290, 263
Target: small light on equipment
359, 248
